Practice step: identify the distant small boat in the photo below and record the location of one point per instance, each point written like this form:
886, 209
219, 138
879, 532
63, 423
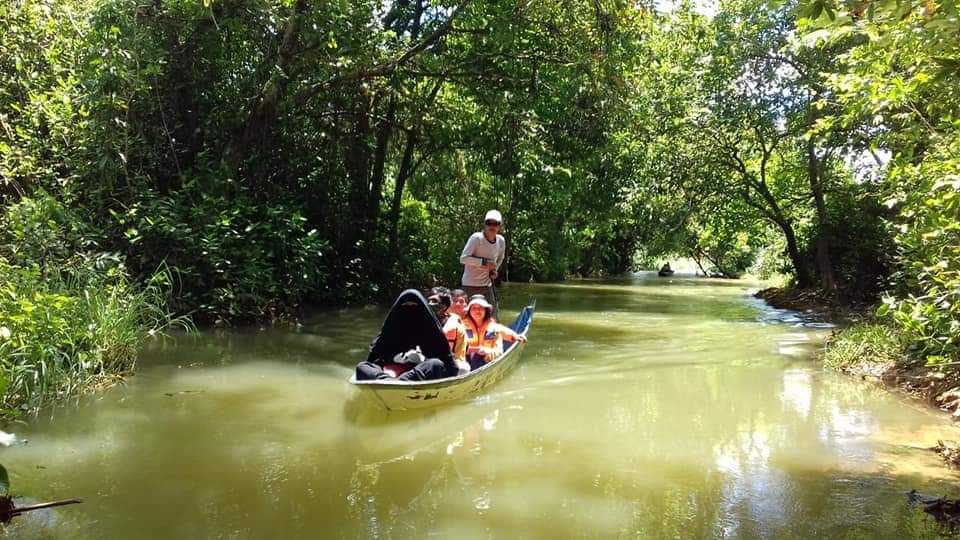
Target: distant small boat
401, 395
665, 273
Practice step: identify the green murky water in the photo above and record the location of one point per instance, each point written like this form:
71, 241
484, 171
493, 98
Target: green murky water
644, 408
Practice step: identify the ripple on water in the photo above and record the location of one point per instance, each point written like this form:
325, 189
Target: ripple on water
643, 408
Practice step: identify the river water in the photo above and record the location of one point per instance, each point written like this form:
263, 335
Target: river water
661, 408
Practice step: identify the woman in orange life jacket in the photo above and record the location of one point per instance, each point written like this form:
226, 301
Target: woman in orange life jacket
453, 327
484, 334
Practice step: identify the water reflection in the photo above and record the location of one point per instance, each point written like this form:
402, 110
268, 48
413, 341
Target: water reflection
641, 408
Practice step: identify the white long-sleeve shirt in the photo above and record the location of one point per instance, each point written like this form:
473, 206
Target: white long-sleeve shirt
478, 251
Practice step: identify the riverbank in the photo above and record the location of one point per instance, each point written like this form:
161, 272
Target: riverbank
72, 317
813, 301
63, 336
873, 350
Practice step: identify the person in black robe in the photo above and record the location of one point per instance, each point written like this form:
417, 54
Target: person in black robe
409, 324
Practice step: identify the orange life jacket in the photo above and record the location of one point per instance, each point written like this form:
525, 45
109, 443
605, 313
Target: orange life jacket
487, 336
450, 329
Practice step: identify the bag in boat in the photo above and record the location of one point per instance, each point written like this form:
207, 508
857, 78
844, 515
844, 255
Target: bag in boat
412, 357
410, 326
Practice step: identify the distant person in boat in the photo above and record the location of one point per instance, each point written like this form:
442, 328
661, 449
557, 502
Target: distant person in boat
485, 335
453, 328
411, 345
665, 270
459, 305
481, 258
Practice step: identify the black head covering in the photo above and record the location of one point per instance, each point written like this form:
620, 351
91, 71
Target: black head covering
409, 324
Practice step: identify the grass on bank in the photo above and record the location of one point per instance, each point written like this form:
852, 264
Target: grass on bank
66, 331
71, 318
871, 342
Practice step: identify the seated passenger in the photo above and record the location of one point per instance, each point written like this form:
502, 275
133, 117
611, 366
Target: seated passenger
453, 327
459, 303
411, 345
485, 335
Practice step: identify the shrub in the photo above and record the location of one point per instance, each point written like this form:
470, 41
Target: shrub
69, 319
61, 336
928, 240
235, 257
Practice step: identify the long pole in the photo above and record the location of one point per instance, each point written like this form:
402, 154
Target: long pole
16, 511
496, 298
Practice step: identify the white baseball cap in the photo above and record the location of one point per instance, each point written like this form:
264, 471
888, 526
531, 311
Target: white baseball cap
494, 215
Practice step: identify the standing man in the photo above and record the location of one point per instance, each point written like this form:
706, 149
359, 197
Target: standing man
482, 257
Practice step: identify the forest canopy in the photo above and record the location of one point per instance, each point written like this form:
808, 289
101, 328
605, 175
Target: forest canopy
263, 155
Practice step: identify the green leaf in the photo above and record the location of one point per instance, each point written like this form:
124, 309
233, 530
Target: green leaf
934, 359
814, 10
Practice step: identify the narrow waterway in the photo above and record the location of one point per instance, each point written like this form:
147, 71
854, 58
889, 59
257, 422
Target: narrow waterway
661, 408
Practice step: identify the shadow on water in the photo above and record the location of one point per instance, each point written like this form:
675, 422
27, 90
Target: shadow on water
363, 410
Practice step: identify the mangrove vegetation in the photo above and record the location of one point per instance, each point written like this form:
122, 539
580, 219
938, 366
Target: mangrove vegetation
239, 160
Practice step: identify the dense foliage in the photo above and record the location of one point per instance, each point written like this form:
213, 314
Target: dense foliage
288, 152
279, 153
899, 78
70, 318
273, 153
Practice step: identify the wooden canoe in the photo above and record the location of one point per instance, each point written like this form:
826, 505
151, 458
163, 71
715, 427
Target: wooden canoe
402, 395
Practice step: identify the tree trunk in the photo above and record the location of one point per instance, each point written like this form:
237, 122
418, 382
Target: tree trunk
256, 128
406, 163
824, 264
696, 256
375, 191
804, 279
775, 214
358, 164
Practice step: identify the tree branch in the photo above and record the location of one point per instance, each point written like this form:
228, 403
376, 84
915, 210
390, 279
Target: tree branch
265, 110
383, 69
